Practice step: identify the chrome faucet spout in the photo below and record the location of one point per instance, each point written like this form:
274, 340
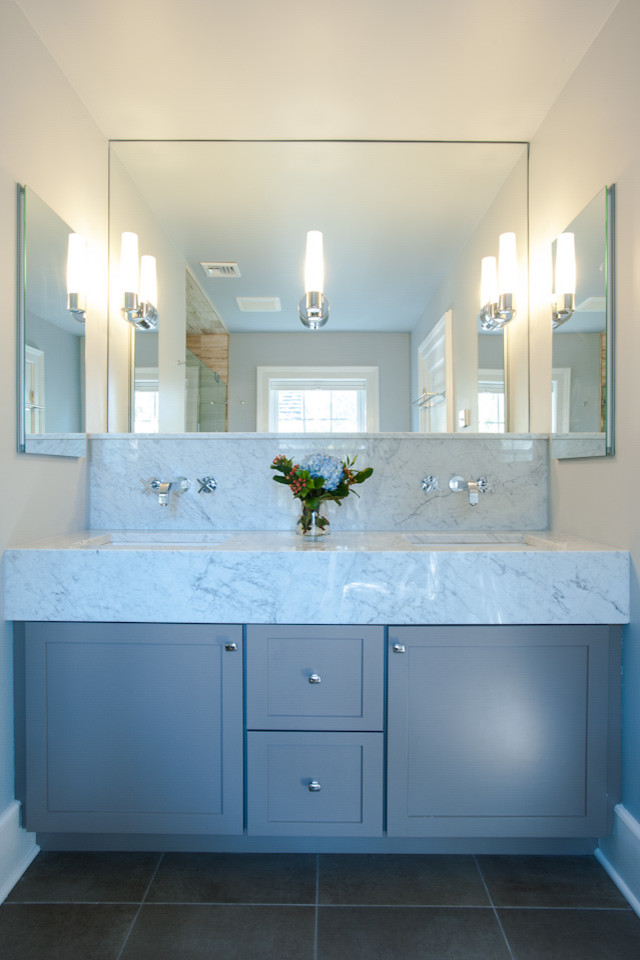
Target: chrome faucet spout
472, 487
458, 484
162, 488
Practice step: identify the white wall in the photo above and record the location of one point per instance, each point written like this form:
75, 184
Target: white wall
388, 351
50, 143
591, 138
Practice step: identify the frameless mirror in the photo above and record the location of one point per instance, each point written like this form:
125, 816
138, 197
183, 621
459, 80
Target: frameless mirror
51, 341
582, 378
405, 225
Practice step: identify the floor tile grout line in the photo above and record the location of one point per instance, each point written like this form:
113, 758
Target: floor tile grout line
316, 904
140, 905
493, 907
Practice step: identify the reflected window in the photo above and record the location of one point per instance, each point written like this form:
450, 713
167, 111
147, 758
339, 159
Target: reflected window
560, 399
303, 400
491, 406
33, 390
146, 395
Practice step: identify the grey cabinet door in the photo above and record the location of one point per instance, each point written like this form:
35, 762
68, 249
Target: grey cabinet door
134, 728
315, 677
500, 731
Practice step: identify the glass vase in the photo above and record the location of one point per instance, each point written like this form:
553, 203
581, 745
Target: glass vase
311, 524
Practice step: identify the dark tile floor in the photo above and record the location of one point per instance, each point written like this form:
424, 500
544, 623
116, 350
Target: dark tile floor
138, 906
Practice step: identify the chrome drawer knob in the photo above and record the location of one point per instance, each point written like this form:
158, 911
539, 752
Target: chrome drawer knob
230, 647
315, 787
399, 648
314, 678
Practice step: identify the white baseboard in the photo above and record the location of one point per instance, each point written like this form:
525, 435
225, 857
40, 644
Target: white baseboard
619, 854
17, 849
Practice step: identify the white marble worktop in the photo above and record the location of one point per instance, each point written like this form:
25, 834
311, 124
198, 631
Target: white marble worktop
348, 577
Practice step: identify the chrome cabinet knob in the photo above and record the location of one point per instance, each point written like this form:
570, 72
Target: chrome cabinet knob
315, 678
399, 648
230, 647
315, 787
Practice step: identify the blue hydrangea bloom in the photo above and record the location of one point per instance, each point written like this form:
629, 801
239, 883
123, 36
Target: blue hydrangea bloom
322, 465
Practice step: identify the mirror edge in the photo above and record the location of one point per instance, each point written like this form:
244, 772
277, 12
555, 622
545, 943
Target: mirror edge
610, 324
20, 315
71, 445
609, 241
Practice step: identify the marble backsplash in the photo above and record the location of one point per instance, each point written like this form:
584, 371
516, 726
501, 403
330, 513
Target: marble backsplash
246, 498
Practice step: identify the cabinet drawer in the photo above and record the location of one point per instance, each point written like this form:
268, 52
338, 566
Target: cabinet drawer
315, 678
314, 784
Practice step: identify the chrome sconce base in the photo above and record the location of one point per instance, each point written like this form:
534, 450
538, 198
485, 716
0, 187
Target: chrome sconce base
494, 316
76, 304
562, 309
141, 315
313, 310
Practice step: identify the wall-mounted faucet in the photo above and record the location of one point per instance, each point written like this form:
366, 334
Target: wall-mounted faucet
474, 487
162, 488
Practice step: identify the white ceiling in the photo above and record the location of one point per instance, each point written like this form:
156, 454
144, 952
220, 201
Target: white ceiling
424, 69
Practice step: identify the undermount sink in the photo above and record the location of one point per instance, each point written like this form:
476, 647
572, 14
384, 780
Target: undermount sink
166, 538
453, 537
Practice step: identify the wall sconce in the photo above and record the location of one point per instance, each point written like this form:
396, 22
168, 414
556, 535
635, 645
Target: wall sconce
77, 276
563, 303
141, 311
498, 284
313, 308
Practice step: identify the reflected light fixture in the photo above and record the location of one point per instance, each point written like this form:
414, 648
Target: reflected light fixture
313, 308
498, 284
563, 302
77, 276
139, 285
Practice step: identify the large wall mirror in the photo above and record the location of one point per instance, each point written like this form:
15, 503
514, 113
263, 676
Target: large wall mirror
51, 338
583, 384
405, 225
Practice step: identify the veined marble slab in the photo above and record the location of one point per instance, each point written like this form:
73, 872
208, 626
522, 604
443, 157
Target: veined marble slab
246, 498
278, 577
57, 444
573, 445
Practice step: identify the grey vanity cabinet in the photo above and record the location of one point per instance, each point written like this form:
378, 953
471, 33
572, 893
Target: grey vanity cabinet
502, 731
315, 741
133, 728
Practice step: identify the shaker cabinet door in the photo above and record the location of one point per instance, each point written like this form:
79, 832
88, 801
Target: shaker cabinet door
499, 731
133, 728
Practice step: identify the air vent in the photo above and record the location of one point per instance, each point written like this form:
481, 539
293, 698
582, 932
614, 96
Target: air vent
219, 269
259, 304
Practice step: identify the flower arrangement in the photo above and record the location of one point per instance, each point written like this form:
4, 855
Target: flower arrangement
317, 478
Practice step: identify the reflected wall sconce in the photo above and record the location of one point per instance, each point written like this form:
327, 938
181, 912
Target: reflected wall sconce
498, 284
139, 286
313, 308
563, 302
77, 276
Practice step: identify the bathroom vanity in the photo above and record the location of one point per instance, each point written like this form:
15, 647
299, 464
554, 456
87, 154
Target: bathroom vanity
475, 707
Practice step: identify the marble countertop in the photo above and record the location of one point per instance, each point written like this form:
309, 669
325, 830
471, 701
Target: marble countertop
444, 577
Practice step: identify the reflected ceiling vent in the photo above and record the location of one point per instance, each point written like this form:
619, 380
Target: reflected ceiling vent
259, 304
219, 269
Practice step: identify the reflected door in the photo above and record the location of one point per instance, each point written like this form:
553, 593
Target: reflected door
435, 378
